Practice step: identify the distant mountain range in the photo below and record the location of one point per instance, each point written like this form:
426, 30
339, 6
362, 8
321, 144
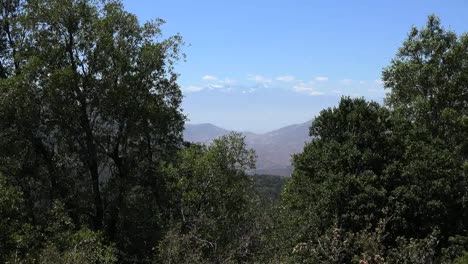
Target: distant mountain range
273, 149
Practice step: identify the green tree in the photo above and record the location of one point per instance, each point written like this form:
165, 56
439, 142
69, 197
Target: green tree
59, 242
428, 80
403, 165
11, 216
216, 204
339, 177
89, 111
363, 169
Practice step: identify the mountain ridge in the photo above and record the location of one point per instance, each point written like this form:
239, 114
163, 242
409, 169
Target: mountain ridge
274, 148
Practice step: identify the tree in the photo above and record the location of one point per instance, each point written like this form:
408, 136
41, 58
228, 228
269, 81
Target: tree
339, 177
404, 165
10, 216
217, 207
89, 111
361, 170
428, 80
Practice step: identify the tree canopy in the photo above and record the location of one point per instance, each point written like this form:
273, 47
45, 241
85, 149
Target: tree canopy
392, 175
94, 169
89, 111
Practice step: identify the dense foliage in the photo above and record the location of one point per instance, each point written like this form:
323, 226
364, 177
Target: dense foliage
216, 205
380, 181
89, 112
93, 168
269, 186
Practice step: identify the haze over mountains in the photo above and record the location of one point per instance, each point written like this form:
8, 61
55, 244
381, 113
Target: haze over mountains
273, 149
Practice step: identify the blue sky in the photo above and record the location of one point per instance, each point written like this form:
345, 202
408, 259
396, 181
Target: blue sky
257, 65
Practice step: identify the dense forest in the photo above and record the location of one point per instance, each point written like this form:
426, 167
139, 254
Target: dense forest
94, 169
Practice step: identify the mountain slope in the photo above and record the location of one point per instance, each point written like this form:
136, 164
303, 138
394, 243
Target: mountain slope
273, 149
203, 133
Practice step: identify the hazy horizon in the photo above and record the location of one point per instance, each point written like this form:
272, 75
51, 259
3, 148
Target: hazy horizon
246, 131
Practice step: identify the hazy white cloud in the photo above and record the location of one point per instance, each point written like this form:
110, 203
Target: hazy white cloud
318, 85
306, 89
347, 81
259, 79
194, 88
209, 78
286, 78
227, 81
321, 79
251, 90
198, 88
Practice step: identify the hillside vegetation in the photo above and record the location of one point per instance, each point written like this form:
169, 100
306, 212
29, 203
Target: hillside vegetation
94, 169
